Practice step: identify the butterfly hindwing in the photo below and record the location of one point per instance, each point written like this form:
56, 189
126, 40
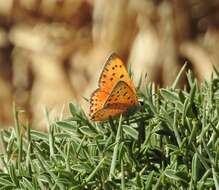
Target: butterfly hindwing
106, 113
96, 100
122, 96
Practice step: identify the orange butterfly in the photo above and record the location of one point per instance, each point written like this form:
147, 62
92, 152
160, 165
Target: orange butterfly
116, 92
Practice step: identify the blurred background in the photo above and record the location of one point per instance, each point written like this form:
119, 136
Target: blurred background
52, 51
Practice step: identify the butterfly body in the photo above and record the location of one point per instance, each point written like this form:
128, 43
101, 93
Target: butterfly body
116, 93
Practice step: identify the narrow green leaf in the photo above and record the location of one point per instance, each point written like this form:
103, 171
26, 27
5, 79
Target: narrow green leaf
216, 178
6, 183
178, 76
173, 175
115, 151
95, 170
130, 131
26, 184
149, 181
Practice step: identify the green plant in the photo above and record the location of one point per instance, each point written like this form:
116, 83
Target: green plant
172, 143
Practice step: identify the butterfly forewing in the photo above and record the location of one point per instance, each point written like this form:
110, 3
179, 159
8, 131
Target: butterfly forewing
114, 71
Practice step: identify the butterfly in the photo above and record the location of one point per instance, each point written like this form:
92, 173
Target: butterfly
116, 92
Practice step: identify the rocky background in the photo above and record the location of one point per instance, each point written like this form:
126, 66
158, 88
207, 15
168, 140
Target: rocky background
52, 51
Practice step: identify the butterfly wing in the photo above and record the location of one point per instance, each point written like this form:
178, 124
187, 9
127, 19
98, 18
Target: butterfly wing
105, 113
122, 96
114, 71
97, 100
